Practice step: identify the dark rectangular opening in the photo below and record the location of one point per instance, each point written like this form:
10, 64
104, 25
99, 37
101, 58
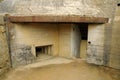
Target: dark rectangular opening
84, 31
118, 4
43, 50
40, 50
83, 28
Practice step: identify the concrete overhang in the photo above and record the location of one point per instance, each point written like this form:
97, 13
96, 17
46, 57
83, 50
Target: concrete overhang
58, 19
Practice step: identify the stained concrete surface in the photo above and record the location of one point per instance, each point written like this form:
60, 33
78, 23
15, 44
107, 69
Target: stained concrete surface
65, 69
115, 50
83, 49
90, 8
23, 45
4, 54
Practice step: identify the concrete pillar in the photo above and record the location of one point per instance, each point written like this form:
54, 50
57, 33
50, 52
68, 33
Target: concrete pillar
46, 49
76, 38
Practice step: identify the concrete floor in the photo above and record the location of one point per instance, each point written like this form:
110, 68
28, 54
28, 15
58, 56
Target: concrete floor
63, 69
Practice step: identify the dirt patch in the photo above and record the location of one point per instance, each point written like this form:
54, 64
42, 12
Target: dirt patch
77, 70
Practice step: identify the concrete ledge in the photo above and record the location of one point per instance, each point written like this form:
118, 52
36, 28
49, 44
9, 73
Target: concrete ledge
51, 18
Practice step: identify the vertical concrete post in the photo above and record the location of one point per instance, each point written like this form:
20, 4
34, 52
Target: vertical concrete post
49, 50
75, 45
46, 49
33, 50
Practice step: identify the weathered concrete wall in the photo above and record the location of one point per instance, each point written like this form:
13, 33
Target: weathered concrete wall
115, 49
96, 36
119, 1
4, 55
75, 41
37, 34
65, 40
26, 36
58, 7
31, 35
96, 8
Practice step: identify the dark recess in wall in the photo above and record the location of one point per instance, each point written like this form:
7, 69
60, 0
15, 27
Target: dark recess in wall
118, 4
84, 30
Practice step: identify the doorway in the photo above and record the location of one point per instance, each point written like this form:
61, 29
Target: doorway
83, 28
80, 37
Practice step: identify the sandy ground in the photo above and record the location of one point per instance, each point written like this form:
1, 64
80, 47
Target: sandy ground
63, 69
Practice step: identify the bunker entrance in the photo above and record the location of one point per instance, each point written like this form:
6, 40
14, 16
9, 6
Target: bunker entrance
70, 41
80, 40
83, 41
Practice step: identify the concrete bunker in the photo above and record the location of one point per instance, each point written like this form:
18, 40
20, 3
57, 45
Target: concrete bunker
64, 36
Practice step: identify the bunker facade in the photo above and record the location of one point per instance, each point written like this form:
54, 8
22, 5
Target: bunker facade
87, 29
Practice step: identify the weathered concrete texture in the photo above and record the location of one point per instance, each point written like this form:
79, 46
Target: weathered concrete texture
95, 47
101, 41
57, 7
65, 40
6, 6
4, 55
75, 41
83, 49
119, 1
26, 37
22, 56
115, 49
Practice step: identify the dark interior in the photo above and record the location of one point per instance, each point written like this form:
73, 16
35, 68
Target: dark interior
119, 4
84, 31
39, 50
